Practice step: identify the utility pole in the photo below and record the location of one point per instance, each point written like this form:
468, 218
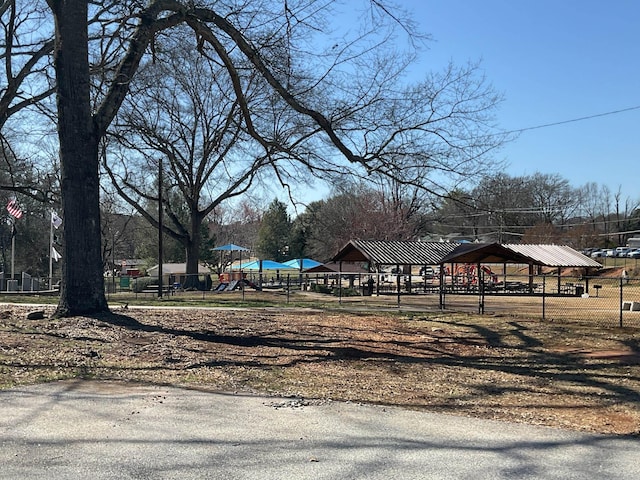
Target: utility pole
160, 259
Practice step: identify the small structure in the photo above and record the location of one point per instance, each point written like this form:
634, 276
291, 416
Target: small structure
175, 274
131, 267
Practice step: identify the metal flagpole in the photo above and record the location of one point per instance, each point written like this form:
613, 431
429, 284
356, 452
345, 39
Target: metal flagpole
51, 252
13, 246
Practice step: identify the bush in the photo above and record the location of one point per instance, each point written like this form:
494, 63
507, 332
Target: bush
316, 287
346, 292
142, 283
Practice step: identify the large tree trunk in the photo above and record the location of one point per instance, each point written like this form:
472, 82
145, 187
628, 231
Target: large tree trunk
192, 250
83, 282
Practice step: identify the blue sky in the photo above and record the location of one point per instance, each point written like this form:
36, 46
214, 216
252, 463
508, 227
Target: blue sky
554, 61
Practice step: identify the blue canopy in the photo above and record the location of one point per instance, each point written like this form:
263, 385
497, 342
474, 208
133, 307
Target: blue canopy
266, 265
232, 248
306, 263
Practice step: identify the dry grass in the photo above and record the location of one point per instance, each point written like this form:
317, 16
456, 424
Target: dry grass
561, 374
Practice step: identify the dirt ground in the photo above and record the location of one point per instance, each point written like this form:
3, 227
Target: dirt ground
563, 374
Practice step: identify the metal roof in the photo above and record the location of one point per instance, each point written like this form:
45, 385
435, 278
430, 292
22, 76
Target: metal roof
545, 255
394, 252
434, 253
486, 253
554, 255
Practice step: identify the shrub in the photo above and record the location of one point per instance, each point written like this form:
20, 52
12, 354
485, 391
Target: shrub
316, 287
142, 283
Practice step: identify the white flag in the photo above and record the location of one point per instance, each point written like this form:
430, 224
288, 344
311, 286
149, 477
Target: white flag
55, 255
55, 219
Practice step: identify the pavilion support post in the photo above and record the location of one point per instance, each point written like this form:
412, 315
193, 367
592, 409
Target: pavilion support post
398, 282
504, 277
442, 286
586, 281
531, 272
544, 298
340, 282
424, 278
480, 277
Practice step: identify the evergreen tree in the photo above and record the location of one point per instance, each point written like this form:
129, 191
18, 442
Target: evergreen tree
274, 233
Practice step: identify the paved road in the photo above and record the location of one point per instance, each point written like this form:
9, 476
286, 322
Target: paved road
80, 430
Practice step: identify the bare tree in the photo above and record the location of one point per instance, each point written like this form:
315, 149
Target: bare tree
554, 198
27, 46
458, 215
25, 81
623, 212
181, 112
343, 108
382, 210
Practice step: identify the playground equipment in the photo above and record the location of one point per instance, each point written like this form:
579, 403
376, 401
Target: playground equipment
466, 275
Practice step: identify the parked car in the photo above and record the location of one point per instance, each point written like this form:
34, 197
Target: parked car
610, 252
622, 251
597, 254
634, 253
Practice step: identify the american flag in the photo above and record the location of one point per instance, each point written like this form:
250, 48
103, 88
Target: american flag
14, 209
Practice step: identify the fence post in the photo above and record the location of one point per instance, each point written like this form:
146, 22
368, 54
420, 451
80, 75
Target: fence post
620, 304
544, 297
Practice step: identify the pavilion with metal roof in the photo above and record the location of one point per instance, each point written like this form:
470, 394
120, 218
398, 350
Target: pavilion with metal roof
559, 256
533, 255
378, 254
382, 253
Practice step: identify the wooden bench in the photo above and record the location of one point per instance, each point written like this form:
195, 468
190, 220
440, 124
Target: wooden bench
154, 289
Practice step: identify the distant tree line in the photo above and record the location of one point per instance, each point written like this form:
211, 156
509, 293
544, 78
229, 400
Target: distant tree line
538, 208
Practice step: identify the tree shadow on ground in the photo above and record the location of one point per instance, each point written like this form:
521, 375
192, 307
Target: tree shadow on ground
524, 359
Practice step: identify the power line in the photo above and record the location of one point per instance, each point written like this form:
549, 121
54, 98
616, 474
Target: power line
573, 120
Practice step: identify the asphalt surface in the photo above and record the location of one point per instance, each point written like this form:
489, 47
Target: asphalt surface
81, 430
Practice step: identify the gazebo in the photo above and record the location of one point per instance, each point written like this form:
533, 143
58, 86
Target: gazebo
404, 255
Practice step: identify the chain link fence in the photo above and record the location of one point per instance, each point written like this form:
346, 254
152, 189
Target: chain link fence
606, 302
610, 302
